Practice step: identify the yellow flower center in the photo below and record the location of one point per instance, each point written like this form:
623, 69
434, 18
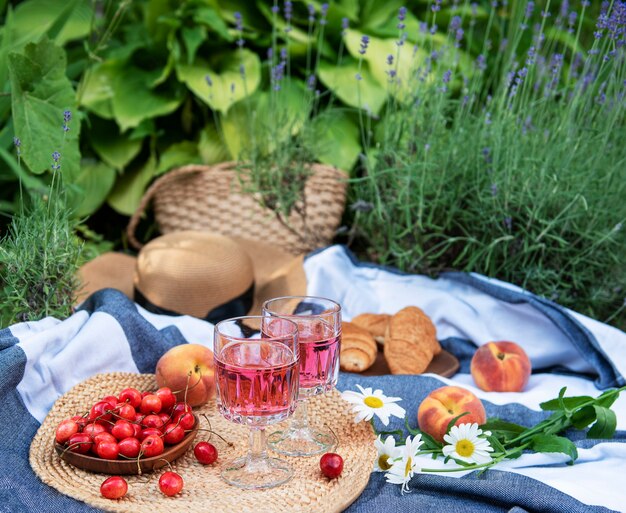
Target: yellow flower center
383, 462
373, 402
409, 464
464, 448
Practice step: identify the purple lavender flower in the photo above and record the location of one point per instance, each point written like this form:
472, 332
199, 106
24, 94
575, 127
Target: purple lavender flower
389, 60
242, 71
455, 23
270, 53
275, 9
238, 21
365, 41
401, 17
488, 118
323, 13
392, 73
288, 10
18, 144
311, 9
278, 73
494, 4
571, 21
310, 82
423, 27
585, 3
459, 34
481, 62
283, 53
494, 189
436, 6
531, 56
400, 42
67, 117
487, 154
474, 7
358, 76
345, 23
56, 156
508, 223
208, 80
446, 76
433, 29
530, 7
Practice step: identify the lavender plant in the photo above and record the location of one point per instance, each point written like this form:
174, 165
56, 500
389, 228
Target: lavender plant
514, 167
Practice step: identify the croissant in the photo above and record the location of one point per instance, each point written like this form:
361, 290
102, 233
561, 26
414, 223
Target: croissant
376, 324
410, 342
358, 348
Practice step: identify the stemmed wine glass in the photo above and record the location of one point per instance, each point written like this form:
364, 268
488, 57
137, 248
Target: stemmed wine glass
319, 332
257, 385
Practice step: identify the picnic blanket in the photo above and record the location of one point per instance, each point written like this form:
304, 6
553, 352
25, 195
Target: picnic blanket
41, 360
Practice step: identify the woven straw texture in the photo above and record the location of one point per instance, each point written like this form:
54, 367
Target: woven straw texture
204, 489
210, 198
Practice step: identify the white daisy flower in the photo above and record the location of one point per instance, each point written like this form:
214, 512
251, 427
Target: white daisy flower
465, 443
403, 469
387, 452
368, 403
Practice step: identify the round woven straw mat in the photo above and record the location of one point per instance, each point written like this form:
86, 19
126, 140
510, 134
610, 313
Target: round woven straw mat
211, 198
204, 490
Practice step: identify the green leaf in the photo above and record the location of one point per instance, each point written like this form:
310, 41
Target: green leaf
336, 140
29, 181
375, 13
366, 93
193, 37
211, 147
40, 93
605, 424
453, 421
501, 426
210, 18
178, 154
583, 417
569, 403
553, 443
116, 149
129, 189
97, 87
228, 85
95, 181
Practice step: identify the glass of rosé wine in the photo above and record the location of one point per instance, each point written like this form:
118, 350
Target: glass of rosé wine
257, 378
319, 333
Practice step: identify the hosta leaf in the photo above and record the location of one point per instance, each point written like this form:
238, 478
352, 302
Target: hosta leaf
193, 38
95, 181
366, 93
116, 149
211, 147
210, 18
97, 87
605, 425
336, 140
228, 84
40, 93
178, 154
129, 189
553, 443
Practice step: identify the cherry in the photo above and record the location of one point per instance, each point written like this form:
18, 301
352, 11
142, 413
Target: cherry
152, 421
170, 483
137, 430
151, 404
180, 408
205, 453
92, 429
152, 445
186, 421
80, 420
115, 487
131, 396
331, 465
168, 399
122, 429
104, 437
108, 450
127, 412
65, 430
80, 443
165, 417
173, 434
148, 432
129, 447
111, 399
99, 410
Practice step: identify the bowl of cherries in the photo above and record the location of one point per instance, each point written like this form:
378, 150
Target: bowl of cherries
131, 433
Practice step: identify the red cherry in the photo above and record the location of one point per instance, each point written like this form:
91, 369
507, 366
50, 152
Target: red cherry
165, 417
170, 483
180, 408
115, 487
99, 411
137, 430
129, 447
104, 437
205, 453
168, 399
108, 450
152, 445
131, 396
127, 412
122, 429
152, 421
173, 434
80, 443
80, 420
186, 421
150, 404
111, 399
331, 465
150, 432
65, 430
93, 429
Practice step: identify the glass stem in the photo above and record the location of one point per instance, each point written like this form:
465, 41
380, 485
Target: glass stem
300, 419
258, 446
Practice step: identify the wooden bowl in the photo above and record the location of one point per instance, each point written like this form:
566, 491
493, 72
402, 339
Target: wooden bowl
125, 467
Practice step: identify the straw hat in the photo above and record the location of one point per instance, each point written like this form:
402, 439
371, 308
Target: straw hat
208, 276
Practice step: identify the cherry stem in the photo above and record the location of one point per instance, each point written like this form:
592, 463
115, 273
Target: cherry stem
334, 435
210, 430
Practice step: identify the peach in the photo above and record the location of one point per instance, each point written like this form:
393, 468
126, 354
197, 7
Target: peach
443, 404
500, 367
188, 367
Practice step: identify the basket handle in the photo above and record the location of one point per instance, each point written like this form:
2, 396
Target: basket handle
158, 185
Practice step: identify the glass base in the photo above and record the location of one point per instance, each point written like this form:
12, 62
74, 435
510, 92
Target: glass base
255, 474
303, 441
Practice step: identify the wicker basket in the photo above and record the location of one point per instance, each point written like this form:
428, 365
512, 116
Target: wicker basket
210, 198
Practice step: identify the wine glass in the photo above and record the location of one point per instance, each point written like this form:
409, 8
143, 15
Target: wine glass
319, 332
257, 385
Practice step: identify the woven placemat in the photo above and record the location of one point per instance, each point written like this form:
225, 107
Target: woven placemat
204, 490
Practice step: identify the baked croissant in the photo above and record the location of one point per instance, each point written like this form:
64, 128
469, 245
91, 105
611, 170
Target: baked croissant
410, 342
358, 348
376, 324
